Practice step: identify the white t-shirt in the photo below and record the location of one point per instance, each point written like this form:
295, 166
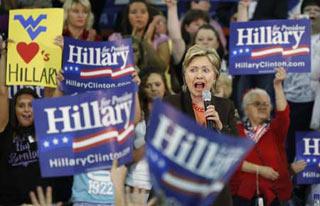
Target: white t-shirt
138, 173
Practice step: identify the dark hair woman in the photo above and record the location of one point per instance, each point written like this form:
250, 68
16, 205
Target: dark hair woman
19, 161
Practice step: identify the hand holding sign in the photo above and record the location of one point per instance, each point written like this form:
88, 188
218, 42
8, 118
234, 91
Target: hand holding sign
298, 166
59, 41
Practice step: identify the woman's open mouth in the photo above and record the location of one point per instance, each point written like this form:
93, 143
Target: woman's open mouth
199, 85
27, 116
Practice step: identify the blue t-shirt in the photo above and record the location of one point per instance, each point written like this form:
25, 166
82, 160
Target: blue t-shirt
93, 188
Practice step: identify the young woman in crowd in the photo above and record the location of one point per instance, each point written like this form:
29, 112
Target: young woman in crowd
78, 20
182, 36
137, 22
207, 37
152, 86
201, 68
19, 160
265, 170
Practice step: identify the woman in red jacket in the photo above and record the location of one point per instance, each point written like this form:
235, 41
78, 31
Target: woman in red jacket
265, 170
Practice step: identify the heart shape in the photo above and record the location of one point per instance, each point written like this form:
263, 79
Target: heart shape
27, 51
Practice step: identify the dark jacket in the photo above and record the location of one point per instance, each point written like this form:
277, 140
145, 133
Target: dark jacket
226, 110
223, 106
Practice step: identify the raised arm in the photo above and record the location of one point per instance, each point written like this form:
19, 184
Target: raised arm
178, 44
281, 101
4, 100
137, 114
243, 13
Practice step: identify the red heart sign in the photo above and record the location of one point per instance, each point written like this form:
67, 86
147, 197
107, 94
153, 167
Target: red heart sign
27, 51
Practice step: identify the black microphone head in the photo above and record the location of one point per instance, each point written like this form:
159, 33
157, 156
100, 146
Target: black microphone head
206, 95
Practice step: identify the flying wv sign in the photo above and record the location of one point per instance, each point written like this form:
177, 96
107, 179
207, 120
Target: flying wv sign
32, 26
189, 165
33, 59
85, 132
96, 65
257, 47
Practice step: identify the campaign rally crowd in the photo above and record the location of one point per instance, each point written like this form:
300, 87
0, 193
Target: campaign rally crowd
182, 50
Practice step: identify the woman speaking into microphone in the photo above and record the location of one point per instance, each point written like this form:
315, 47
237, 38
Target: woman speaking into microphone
201, 68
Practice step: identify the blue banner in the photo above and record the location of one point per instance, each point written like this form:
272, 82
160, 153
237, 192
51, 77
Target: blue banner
308, 149
84, 132
13, 89
257, 47
96, 65
189, 165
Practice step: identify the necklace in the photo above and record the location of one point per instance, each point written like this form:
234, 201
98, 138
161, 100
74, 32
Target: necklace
197, 108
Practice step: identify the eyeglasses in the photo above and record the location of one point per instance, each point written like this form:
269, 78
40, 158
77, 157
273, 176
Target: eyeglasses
260, 104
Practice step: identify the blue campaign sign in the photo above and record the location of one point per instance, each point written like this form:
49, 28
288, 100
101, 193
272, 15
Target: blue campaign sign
308, 149
189, 164
96, 65
13, 89
84, 132
257, 47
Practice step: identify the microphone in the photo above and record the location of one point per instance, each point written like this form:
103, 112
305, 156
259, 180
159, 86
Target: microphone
206, 96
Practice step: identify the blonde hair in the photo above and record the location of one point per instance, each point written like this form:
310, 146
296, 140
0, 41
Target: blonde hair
224, 82
198, 51
86, 3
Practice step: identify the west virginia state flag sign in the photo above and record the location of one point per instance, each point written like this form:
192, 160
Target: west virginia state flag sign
33, 58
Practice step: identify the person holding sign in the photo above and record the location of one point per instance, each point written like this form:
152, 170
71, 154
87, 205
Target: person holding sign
153, 86
264, 174
201, 68
19, 161
138, 21
78, 20
95, 187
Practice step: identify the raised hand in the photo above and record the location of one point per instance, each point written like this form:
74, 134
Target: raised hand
281, 74
41, 199
171, 3
244, 3
152, 28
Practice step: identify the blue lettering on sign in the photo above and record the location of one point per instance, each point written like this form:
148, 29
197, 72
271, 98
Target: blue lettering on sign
31, 25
